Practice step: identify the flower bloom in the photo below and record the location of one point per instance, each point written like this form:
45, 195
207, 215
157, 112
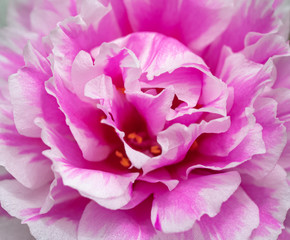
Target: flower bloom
142, 119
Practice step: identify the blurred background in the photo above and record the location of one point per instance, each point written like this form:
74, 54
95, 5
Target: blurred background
3, 8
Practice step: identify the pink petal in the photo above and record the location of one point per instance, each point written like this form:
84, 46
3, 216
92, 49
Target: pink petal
22, 156
60, 223
271, 194
266, 47
274, 137
282, 71
252, 144
109, 189
176, 140
285, 235
153, 108
176, 211
101, 223
84, 122
27, 92
238, 217
196, 24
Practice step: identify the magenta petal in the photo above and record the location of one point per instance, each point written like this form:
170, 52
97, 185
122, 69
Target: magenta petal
238, 217
271, 194
176, 211
84, 122
111, 190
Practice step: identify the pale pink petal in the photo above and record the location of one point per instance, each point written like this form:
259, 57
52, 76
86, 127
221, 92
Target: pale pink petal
274, 137
271, 194
101, 223
177, 211
246, 78
266, 47
238, 217
195, 23
255, 17
252, 144
28, 95
22, 156
60, 223
282, 71
285, 235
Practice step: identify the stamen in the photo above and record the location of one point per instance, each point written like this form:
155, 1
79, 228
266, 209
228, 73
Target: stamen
136, 137
125, 162
118, 154
155, 149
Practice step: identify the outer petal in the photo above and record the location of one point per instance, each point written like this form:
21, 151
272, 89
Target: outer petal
282, 71
271, 194
100, 223
195, 23
285, 235
28, 95
274, 137
176, 211
238, 217
22, 156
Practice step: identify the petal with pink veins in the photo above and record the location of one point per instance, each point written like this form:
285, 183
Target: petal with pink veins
101, 223
109, 189
196, 24
271, 194
237, 218
179, 209
274, 137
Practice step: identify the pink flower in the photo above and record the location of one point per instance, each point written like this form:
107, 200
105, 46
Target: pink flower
134, 119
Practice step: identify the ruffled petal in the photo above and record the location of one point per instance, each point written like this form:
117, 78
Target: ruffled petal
196, 24
176, 211
271, 194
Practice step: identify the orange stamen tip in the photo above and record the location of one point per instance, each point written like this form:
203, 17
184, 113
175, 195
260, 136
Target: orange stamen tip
155, 149
118, 154
122, 90
194, 146
136, 137
125, 162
